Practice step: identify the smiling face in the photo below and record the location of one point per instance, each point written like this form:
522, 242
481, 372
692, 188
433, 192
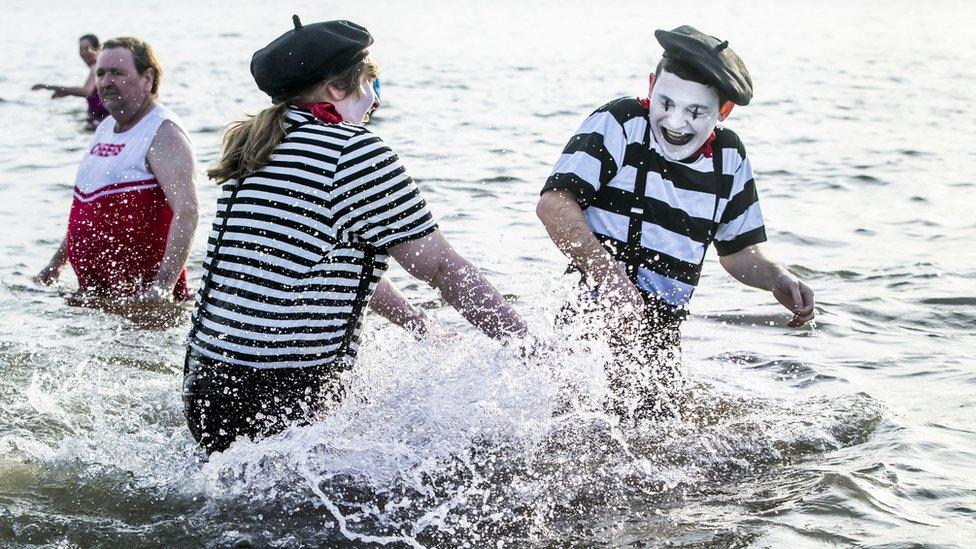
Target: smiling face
682, 115
122, 89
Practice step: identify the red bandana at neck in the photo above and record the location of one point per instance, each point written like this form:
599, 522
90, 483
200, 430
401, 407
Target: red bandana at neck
705, 149
326, 112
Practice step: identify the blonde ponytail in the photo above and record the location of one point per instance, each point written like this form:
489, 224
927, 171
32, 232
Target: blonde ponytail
248, 143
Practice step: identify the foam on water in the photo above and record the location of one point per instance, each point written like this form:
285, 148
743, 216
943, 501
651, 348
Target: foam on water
442, 442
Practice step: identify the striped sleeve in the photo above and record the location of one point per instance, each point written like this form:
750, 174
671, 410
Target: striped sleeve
591, 158
741, 224
374, 199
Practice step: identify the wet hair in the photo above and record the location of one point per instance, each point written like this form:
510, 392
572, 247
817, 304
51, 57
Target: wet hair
248, 143
92, 39
142, 56
686, 71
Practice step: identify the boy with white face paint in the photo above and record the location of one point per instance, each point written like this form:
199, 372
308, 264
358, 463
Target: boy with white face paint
646, 185
683, 115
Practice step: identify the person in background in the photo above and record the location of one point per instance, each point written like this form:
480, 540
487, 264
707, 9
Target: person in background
135, 207
313, 207
88, 48
642, 190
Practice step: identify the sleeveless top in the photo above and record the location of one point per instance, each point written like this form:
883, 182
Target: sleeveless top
119, 221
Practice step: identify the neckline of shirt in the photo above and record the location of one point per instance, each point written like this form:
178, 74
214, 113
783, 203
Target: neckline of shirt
146, 117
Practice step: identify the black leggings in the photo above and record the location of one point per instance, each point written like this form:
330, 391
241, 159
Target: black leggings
223, 402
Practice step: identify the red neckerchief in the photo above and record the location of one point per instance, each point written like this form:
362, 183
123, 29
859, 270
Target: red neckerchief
706, 148
326, 112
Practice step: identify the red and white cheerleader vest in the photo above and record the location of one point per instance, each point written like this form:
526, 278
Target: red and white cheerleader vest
120, 219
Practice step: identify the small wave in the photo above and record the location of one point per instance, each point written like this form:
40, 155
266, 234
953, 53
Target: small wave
207, 129
500, 179
775, 173
865, 178
808, 240
555, 114
959, 300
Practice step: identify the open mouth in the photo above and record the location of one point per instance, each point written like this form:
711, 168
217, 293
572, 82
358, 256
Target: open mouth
676, 138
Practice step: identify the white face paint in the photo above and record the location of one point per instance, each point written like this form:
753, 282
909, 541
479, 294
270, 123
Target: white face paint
356, 106
683, 114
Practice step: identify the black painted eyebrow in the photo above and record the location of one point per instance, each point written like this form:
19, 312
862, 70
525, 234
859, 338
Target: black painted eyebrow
693, 105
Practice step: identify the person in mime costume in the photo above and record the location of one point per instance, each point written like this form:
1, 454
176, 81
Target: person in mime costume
640, 192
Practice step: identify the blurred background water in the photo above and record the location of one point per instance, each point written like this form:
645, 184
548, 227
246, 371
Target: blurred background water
858, 432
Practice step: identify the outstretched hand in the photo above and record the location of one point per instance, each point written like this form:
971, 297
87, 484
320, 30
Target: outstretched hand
796, 296
57, 92
49, 275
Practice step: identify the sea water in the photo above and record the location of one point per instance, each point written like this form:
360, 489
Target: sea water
857, 431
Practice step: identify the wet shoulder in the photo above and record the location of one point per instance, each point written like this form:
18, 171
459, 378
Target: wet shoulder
305, 132
302, 126
624, 109
363, 150
728, 139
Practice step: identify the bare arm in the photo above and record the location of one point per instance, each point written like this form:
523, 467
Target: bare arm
567, 227
49, 275
389, 303
171, 160
433, 260
63, 91
752, 268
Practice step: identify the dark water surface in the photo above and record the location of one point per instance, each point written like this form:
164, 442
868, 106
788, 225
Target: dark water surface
857, 432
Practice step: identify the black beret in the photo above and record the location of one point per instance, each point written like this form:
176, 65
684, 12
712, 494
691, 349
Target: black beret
308, 54
712, 57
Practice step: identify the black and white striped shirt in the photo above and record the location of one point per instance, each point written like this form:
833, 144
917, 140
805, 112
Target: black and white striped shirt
303, 248
682, 205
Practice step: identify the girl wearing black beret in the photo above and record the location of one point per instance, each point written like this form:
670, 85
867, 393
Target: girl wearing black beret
313, 206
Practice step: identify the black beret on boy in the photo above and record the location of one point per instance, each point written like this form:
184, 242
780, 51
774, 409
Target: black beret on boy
712, 57
306, 55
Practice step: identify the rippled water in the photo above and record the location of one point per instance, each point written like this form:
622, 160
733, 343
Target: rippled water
856, 432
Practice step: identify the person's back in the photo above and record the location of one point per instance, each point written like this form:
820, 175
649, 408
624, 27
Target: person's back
323, 210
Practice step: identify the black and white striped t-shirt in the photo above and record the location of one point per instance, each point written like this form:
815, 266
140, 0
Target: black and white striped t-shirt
303, 248
682, 205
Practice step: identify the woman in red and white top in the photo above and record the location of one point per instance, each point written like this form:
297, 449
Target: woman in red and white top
135, 207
